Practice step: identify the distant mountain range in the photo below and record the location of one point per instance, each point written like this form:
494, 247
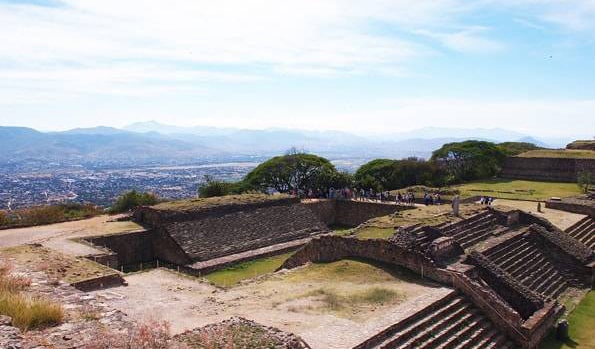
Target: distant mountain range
152, 142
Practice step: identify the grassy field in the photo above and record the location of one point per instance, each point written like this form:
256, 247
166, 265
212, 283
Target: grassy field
518, 189
559, 153
374, 233
203, 203
234, 274
582, 325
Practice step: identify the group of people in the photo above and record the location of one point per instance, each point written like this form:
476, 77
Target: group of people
486, 200
361, 194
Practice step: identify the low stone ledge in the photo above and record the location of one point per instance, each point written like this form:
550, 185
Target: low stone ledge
102, 282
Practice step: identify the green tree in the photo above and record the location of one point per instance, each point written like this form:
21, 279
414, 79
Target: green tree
516, 148
131, 200
386, 174
469, 160
212, 187
584, 181
294, 171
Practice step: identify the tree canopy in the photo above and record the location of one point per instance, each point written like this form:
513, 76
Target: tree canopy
516, 148
295, 171
386, 174
469, 160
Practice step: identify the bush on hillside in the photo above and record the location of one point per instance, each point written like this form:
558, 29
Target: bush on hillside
585, 181
47, 214
212, 187
133, 199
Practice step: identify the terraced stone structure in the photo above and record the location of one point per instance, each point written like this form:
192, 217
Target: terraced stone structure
508, 269
584, 232
202, 235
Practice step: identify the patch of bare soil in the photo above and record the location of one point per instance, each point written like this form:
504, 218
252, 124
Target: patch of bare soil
55, 265
295, 301
62, 236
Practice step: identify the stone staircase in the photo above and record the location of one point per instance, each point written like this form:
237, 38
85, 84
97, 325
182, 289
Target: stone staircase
452, 322
584, 232
525, 261
473, 229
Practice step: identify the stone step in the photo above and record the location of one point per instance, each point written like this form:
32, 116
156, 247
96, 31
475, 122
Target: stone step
465, 333
477, 239
541, 275
469, 222
591, 241
554, 276
406, 328
449, 333
583, 232
513, 250
533, 268
466, 230
523, 259
425, 332
555, 288
505, 247
576, 226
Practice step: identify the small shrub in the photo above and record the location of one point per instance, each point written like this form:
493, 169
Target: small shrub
133, 199
4, 220
584, 181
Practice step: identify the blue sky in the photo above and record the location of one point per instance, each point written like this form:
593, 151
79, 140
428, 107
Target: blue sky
361, 66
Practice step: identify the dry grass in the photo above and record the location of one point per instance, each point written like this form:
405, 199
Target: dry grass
205, 203
26, 312
559, 153
336, 300
150, 335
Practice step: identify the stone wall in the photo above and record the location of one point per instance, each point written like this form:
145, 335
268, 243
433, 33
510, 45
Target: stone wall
130, 248
153, 217
580, 205
523, 300
546, 169
228, 231
330, 248
351, 213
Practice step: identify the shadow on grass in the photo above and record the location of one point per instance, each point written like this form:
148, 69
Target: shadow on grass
398, 272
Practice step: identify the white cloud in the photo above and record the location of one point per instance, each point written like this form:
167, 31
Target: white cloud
466, 40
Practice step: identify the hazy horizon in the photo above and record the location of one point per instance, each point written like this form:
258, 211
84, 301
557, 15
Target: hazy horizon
357, 66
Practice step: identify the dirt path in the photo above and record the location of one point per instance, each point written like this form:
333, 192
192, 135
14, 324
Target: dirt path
58, 236
274, 301
561, 219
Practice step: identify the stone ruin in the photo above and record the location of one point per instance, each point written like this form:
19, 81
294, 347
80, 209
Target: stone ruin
203, 237
508, 270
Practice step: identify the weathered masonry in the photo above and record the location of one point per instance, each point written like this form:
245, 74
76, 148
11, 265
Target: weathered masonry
508, 269
546, 169
206, 234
